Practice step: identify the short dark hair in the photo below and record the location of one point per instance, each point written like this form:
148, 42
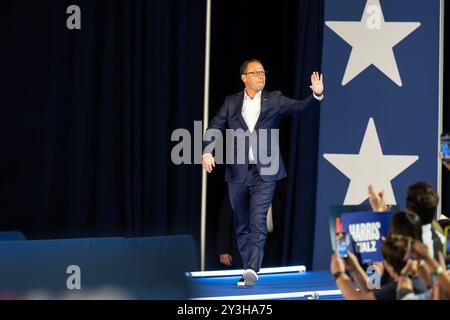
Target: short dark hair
393, 251
244, 64
423, 200
406, 223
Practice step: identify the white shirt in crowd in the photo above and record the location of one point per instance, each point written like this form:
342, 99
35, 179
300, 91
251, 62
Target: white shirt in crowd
427, 238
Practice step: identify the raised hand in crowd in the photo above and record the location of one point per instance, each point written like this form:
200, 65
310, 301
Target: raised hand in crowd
356, 270
376, 200
438, 271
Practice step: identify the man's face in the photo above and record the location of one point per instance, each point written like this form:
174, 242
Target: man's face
251, 80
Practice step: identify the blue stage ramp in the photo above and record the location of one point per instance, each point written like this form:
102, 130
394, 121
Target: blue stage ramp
294, 285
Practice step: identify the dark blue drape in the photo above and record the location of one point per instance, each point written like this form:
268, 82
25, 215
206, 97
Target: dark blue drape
299, 211
86, 117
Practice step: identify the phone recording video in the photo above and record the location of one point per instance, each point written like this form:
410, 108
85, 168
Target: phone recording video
342, 239
445, 147
342, 244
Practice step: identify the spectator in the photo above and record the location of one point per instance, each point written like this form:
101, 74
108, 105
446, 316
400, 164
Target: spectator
423, 200
406, 223
435, 273
393, 251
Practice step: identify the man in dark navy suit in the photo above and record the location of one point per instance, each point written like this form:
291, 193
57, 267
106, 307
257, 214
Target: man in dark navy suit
254, 165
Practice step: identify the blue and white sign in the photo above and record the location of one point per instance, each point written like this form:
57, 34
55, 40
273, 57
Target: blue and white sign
380, 117
366, 230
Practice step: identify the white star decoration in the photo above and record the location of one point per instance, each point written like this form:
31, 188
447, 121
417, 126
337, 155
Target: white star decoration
372, 40
370, 166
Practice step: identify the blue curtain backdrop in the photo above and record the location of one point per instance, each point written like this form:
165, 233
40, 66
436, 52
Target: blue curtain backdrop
303, 142
86, 117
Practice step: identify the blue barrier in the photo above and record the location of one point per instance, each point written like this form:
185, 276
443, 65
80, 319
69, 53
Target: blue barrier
12, 236
135, 268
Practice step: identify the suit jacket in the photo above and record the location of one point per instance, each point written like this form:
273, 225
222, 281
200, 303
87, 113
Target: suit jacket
264, 139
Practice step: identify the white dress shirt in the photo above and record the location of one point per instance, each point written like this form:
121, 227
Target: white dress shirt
250, 112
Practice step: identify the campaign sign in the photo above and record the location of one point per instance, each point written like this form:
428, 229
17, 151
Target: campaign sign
366, 230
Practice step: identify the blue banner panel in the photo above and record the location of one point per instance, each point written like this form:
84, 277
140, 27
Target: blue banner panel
380, 117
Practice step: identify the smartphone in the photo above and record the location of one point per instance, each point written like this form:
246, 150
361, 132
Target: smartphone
342, 244
408, 249
445, 147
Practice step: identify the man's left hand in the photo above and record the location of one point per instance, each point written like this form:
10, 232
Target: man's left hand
317, 83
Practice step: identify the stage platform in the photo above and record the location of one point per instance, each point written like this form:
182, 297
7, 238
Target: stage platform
284, 286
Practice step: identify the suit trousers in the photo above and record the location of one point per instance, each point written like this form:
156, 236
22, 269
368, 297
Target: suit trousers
250, 201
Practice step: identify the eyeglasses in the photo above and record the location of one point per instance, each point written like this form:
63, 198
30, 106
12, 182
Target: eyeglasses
257, 73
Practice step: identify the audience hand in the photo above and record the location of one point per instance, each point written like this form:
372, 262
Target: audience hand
351, 263
337, 264
410, 267
424, 273
419, 250
377, 201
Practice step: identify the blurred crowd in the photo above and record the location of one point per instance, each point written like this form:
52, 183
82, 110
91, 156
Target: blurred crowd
414, 252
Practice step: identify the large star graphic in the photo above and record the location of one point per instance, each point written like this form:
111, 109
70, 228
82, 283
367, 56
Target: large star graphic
372, 40
370, 166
